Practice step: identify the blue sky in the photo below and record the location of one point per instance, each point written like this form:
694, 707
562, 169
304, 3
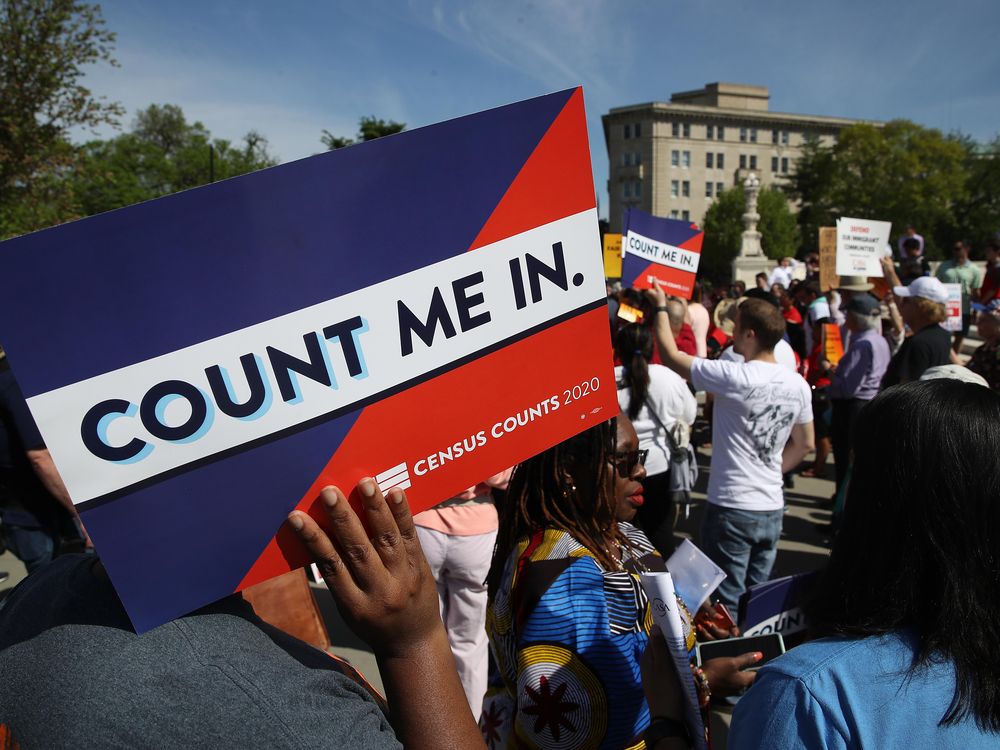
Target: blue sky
291, 69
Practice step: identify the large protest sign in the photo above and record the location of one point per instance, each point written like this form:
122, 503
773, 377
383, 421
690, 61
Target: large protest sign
668, 249
860, 245
612, 256
202, 364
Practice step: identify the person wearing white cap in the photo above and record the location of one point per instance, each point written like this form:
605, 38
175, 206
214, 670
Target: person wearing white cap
922, 305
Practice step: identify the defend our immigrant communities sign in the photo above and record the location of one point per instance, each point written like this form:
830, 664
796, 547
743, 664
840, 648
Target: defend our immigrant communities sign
612, 256
667, 249
860, 244
201, 364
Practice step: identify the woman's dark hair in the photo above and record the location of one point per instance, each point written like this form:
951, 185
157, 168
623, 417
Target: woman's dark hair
634, 349
567, 487
920, 542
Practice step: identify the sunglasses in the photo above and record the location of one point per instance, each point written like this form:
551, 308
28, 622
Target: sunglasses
626, 461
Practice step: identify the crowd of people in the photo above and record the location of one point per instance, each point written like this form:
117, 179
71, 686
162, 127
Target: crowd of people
511, 615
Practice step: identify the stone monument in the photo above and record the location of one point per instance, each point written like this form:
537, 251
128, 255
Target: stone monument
751, 259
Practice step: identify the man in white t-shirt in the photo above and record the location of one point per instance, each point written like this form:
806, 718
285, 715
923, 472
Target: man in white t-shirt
761, 428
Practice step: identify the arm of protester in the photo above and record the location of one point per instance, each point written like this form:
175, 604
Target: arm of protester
663, 690
45, 469
671, 356
800, 443
889, 271
385, 592
726, 675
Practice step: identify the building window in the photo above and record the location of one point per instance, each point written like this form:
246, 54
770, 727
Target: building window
686, 215
774, 136
753, 134
626, 189
784, 137
784, 165
675, 158
753, 161
709, 160
675, 188
637, 158
674, 214
686, 189
637, 188
628, 132
774, 163
675, 129
686, 159
719, 187
687, 130
709, 132
720, 133
638, 130
719, 161
708, 189
743, 161
743, 135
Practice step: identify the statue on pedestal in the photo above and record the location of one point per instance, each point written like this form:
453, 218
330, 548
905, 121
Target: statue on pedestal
750, 244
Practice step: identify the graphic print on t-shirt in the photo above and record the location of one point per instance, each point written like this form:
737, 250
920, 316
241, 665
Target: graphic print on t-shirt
767, 422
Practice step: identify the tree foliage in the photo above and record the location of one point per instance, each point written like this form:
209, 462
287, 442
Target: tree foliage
901, 172
369, 128
724, 229
161, 154
44, 47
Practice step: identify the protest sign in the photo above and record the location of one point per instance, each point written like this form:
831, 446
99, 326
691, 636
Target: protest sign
860, 244
833, 345
612, 256
659, 588
201, 364
954, 307
776, 607
828, 278
668, 249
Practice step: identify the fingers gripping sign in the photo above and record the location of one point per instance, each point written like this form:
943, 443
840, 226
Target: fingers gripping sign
379, 578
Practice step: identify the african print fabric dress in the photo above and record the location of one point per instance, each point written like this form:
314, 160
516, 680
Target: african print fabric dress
566, 637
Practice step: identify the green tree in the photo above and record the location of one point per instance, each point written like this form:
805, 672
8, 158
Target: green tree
161, 154
45, 45
901, 172
977, 214
724, 227
369, 128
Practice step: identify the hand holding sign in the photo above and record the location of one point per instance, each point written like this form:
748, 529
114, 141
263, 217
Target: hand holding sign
382, 584
385, 592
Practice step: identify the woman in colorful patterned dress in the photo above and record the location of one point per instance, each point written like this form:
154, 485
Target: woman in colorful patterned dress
568, 621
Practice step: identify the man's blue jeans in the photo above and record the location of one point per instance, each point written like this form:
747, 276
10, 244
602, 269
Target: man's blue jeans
28, 539
744, 544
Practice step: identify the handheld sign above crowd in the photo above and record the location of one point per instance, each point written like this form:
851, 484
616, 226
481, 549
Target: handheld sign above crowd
612, 256
201, 364
666, 249
954, 307
860, 244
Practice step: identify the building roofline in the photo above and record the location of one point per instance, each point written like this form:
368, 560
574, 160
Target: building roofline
729, 113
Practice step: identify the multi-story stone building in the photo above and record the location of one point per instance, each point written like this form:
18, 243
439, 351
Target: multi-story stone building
674, 158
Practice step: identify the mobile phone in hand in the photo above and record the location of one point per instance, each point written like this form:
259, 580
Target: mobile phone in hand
771, 646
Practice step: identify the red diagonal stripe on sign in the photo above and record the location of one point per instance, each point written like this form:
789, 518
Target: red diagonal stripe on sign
555, 182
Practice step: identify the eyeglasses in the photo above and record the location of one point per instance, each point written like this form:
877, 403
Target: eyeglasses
626, 461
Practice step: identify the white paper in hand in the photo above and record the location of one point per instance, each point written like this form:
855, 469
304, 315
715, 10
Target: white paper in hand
666, 614
695, 575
